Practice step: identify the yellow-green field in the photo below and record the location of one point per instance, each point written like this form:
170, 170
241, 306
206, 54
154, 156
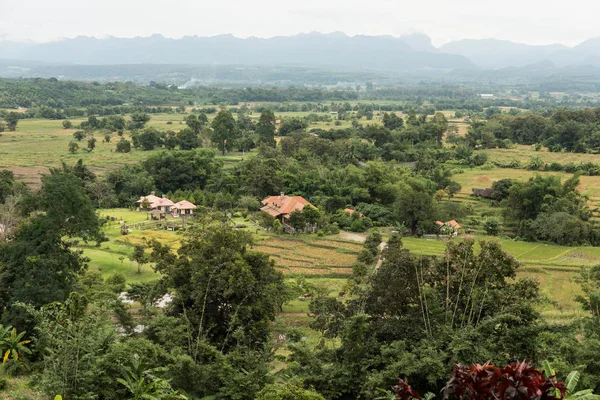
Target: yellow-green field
523, 153
471, 178
40, 144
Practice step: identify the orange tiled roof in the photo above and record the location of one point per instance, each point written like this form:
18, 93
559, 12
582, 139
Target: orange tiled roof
453, 224
351, 211
155, 201
282, 204
184, 205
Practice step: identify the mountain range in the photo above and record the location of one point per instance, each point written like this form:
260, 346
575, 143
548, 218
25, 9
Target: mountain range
408, 53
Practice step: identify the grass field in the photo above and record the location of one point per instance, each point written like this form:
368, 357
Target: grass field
40, 144
313, 256
524, 153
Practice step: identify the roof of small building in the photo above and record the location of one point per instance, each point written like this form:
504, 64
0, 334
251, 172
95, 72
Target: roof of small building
282, 204
184, 205
453, 224
351, 211
155, 201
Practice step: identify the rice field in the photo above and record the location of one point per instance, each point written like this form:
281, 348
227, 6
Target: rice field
310, 256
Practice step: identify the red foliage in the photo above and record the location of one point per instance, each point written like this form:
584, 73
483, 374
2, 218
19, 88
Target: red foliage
516, 381
403, 391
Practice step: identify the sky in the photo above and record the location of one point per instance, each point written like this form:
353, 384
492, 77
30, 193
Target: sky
525, 21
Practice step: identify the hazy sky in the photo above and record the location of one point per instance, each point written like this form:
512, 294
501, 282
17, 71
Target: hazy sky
528, 21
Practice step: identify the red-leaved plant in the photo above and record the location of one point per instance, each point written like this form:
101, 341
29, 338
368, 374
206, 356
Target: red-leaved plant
516, 381
403, 391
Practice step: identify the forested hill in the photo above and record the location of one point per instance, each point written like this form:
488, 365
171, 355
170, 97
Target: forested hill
336, 49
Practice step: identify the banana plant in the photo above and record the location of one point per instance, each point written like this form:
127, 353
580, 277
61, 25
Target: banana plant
142, 383
12, 344
571, 383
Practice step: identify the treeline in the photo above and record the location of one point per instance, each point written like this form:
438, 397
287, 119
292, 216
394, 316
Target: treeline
563, 130
63, 94
544, 208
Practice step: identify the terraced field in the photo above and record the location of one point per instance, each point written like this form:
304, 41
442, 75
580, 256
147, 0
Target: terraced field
311, 256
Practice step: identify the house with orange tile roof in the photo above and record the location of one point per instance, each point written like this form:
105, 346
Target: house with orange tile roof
159, 207
282, 206
450, 227
183, 208
161, 204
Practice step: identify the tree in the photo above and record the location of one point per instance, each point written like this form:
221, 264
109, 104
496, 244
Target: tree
38, 266
203, 118
12, 119
228, 293
79, 135
392, 122
188, 139
99, 191
194, 123
291, 125
416, 209
185, 170
464, 305
288, 390
138, 120
171, 140
7, 184
149, 139
139, 256
71, 336
91, 144
266, 128
225, 131
67, 124
67, 206
123, 146
492, 226
297, 221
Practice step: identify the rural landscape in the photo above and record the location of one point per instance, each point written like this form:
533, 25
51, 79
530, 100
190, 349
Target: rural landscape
307, 216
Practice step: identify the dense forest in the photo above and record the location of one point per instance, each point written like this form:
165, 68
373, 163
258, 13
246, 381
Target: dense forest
61, 95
